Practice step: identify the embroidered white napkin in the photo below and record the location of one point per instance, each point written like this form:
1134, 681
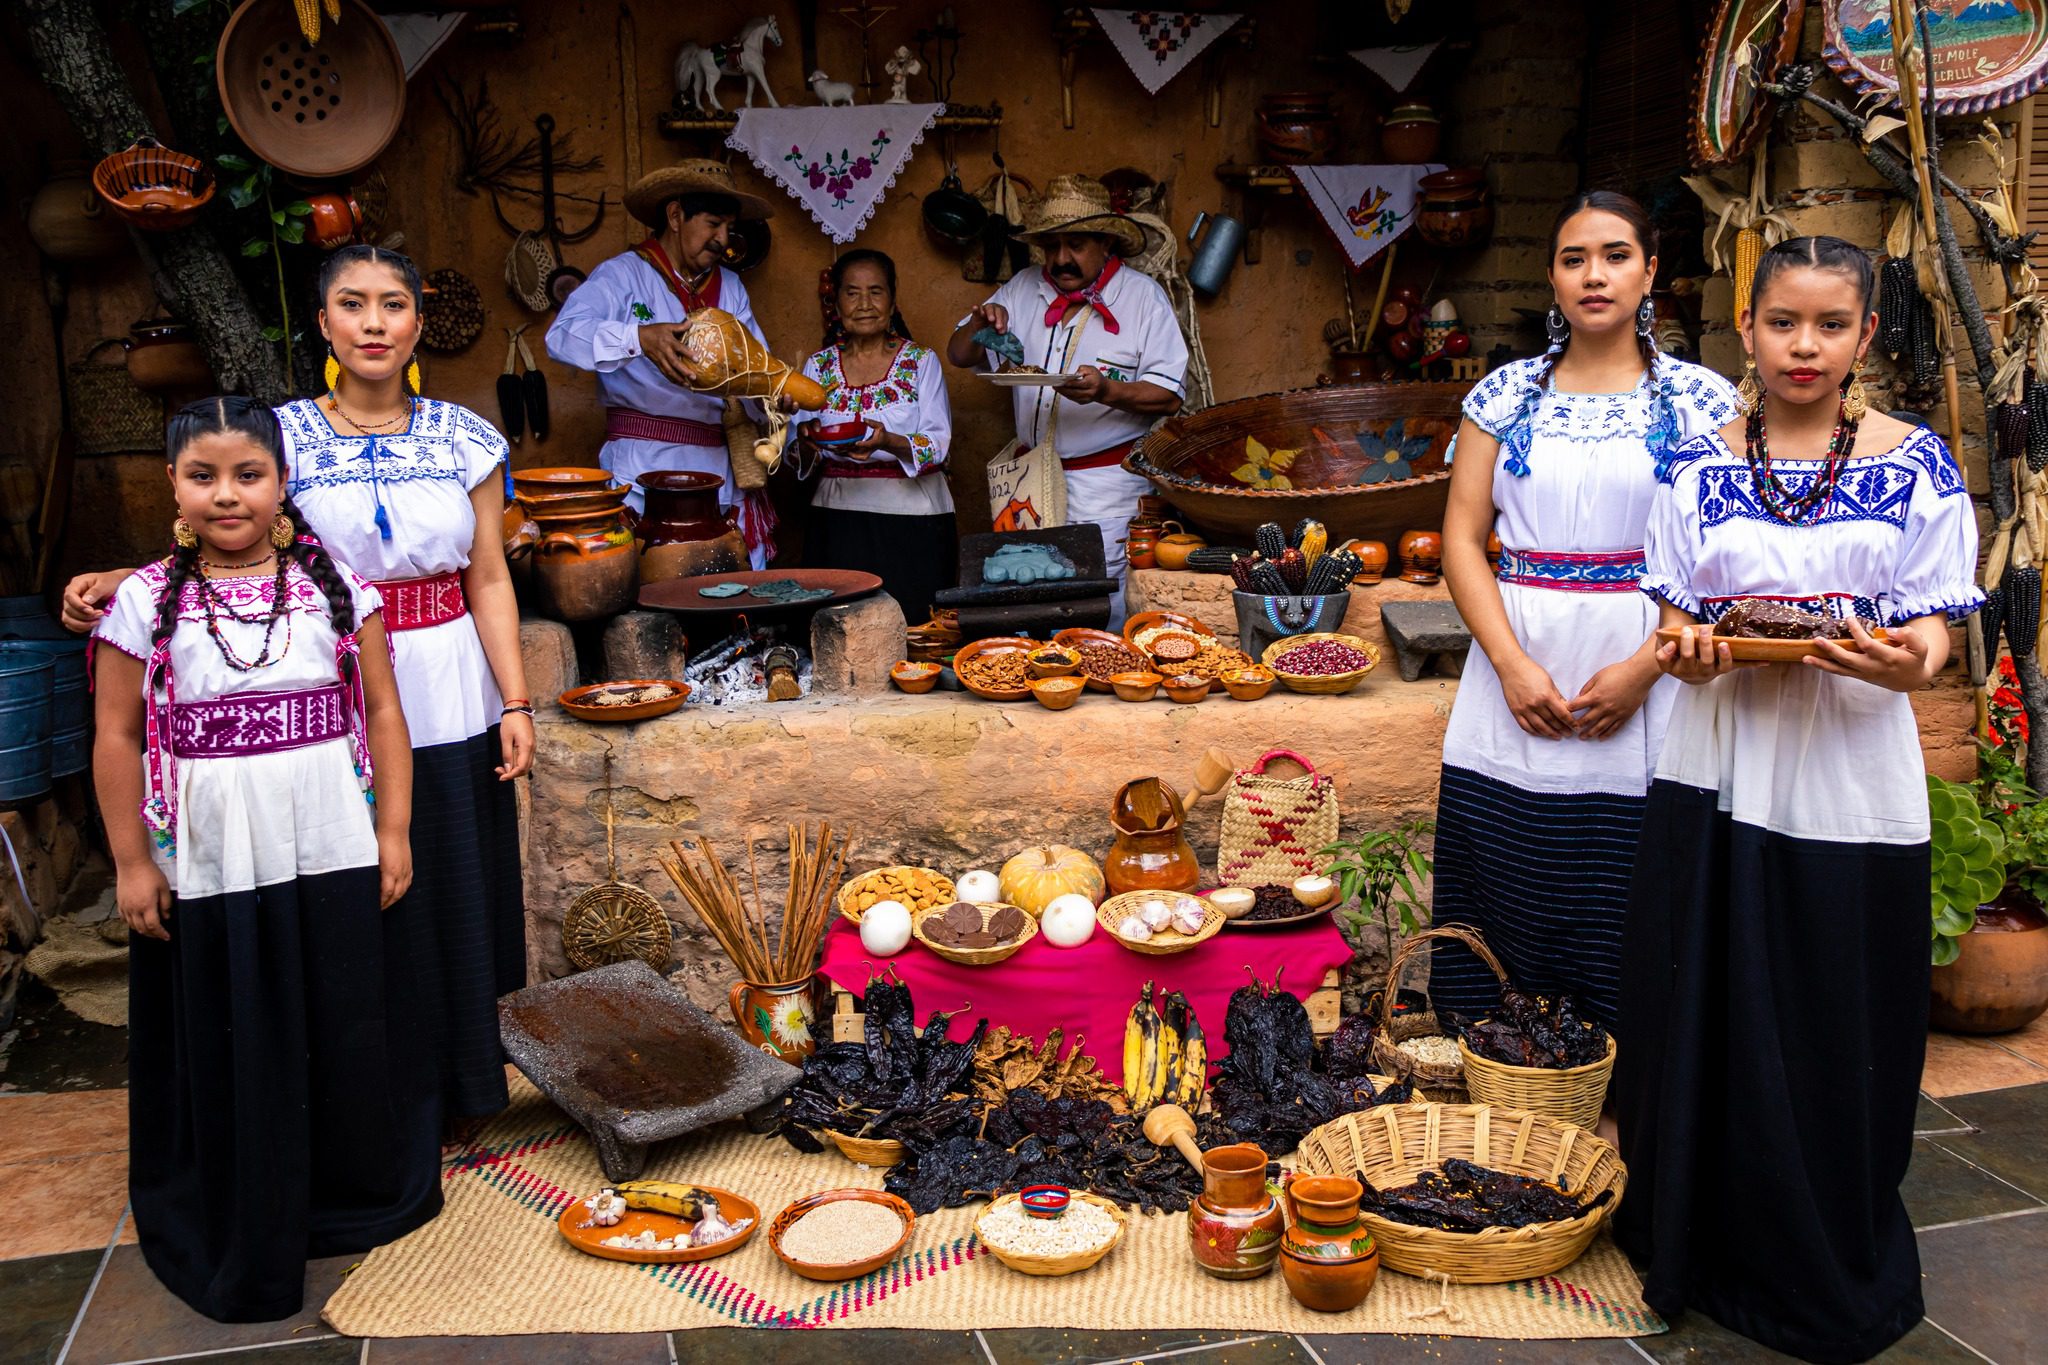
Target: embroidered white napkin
835, 161
1158, 44
1364, 207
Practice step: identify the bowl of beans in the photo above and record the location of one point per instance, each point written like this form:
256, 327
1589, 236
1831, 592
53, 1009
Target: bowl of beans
1174, 651
1103, 655
1086, 1232
1322, 664
996, 669
841, 1234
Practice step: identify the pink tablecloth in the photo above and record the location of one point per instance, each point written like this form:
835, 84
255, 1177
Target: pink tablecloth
1088, 991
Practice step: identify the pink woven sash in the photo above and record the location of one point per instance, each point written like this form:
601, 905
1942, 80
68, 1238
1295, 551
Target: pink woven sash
259, 722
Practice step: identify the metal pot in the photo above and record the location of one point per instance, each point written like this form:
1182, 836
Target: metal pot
953, 215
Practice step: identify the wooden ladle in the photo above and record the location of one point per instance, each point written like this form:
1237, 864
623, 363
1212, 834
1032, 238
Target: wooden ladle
1169, 1123
1211, 772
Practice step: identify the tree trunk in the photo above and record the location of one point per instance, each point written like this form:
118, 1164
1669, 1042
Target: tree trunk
191, 273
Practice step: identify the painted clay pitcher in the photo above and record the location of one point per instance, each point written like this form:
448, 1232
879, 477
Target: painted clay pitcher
682, 532
1327, 1257
777, 1018
1234, 1225
1151, 853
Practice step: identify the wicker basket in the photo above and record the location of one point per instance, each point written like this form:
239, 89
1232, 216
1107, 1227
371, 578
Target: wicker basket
1321, 684
975, 957
1390, 1145
110, 413
854, 886
867, 1151
1065, 1264
1445, 1080
1574, 1094
1112, 912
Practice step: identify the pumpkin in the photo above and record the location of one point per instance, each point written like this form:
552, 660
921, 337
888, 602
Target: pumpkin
1038, 876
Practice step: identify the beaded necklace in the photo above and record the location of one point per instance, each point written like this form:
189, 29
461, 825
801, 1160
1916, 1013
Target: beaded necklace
215, 604
1789, 508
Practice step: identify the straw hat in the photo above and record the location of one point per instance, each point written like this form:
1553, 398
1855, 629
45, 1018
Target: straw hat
1080, 203
698, 175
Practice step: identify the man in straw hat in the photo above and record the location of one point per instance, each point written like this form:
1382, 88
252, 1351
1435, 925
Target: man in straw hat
624, 323
1087, 314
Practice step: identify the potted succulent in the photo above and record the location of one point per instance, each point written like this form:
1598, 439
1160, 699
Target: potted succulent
1990, 872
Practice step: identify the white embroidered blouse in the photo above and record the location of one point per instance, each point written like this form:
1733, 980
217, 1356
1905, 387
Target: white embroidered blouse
910, 400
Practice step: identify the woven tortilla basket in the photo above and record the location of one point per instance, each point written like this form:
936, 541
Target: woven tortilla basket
1274, 827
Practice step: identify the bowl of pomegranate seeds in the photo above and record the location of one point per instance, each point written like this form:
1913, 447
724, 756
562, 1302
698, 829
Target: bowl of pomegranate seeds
1324, 663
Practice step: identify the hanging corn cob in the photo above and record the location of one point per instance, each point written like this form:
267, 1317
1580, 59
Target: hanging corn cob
1898, 293
2035, 412
1990, 618
1749, 249
2022, 608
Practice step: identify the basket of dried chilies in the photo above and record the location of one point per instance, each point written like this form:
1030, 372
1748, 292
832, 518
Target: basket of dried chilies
1552, 1045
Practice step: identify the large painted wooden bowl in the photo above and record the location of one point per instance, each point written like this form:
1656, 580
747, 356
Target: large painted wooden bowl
1367, 460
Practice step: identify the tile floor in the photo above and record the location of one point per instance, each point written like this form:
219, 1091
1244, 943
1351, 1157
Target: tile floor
76, 1292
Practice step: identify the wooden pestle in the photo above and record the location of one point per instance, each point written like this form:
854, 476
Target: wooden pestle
1211, 772
1169, 1123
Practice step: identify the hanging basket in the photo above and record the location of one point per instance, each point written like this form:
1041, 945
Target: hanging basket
109, 413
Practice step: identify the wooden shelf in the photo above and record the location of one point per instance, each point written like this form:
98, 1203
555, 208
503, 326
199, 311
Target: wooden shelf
958, 118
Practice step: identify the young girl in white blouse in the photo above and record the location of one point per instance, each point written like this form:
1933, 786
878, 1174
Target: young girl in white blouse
1775, 969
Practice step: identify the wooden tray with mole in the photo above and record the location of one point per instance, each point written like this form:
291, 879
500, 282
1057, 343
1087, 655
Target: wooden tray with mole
590, 1240
1748, 649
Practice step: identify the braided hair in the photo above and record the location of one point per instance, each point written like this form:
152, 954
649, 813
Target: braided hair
835, 329
239, 416
1831, 254
340, 260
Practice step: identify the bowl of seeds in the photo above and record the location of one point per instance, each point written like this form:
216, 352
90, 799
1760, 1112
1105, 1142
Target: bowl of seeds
1103, 655
841, 1234
996, 669
1088, 1231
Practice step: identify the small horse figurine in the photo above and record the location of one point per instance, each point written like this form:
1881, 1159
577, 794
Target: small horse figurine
699, 69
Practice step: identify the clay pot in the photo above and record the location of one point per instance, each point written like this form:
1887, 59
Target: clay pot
780, 1018
1171, 551
1454, 208
1140, 547
1410, 136
1348, 367
1373, 555
163, 359
1235, 1224
2000, 980
1296, 128
1422, 556
585, 564
68, 221
682, 532
1327, 1257
1151, 852
335, 221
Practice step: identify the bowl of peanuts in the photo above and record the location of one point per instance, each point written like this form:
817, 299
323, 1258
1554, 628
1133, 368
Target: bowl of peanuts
998, 668
917, 889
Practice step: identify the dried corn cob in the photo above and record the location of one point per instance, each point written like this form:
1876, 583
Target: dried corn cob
2037, 425
2011, 422
1241, 571
1214, 558
309, 18
1749, 249
2022, 609
1266, 579
1293, 569
1898, 292
1989, 619
1315, 538
1271, 540
1332, 573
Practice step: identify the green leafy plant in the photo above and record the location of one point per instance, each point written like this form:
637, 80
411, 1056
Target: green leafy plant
276, 228
1380, 875
2021, 816
1969, 863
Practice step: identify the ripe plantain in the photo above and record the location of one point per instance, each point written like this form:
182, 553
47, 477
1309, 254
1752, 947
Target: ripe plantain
1194, 1073
1141, 1051
670, 1197
1166, 1066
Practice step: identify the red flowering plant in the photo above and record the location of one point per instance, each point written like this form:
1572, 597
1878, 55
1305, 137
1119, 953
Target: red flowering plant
2008, 708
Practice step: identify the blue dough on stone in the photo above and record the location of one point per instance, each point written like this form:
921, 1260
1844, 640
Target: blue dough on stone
722, 590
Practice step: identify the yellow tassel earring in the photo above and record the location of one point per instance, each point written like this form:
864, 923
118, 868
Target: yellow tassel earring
412, 375
331, 372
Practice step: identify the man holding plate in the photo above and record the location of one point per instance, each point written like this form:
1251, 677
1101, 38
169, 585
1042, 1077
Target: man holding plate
1110, 331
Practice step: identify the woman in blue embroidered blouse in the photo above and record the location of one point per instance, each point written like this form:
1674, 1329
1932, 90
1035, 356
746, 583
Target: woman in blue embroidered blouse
1560, 712
882, 503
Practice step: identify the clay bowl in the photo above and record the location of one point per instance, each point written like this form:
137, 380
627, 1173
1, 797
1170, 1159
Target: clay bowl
590, 1240
1053, 661
855, 1269
915, 678
581, 702
1135, 686
316, 111
1163, 649
839, 434
1342, 434
1074, 637
995, 644
1249, 684
1146, 620
1057, 694
1186, 689
151, 187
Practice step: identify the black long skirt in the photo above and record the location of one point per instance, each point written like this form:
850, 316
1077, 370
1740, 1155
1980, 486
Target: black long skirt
914, 556
1544, 879
463, 922
280, 1096
1773, 1027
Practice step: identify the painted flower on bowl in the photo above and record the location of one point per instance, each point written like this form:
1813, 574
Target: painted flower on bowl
1263, 468
1392, 453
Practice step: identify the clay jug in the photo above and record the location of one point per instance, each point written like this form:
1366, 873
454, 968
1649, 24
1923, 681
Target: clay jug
682, 532
585, 564
1327, 1256
1141, 547
164, 360
1296, 127
1410, 135
1234, 1225
335, 220
1151, 853
68, 221
1373, 555
777, 1017
1422, 556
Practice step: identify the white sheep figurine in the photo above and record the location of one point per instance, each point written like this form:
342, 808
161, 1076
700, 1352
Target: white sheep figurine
830, 91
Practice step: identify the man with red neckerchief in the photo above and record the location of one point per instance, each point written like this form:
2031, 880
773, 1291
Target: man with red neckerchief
624, 323
1088, 314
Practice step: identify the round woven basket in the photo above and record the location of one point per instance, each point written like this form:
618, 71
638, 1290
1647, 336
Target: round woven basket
1574, 1094
867, 1151
854, 886
1112, 912
453, 315
1320, 684
1066, 1263
975, 957
1391, 1145
1443, 1080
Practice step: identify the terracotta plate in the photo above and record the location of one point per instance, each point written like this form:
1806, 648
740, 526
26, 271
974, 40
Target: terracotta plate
591, 1240
680, 594
1986, 53
1768, 651
581, 702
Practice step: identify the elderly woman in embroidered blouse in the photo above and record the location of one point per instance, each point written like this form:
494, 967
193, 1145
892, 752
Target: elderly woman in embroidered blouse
882, 503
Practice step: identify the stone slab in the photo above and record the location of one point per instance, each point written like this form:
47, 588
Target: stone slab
630, 1059
549, 652
853, 644
1419, 630
645, 644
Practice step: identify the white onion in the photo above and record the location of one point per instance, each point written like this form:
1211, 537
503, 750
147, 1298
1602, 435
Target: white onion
979, 887
885, 928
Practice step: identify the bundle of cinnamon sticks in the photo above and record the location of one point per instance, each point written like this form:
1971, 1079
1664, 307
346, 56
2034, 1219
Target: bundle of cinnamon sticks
739, 922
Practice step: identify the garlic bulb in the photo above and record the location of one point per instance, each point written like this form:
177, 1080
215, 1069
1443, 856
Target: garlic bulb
1156, 915
606, 1209
1189, 915
978, 887
1134, 928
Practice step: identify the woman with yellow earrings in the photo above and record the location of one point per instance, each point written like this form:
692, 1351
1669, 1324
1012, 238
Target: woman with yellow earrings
398, 487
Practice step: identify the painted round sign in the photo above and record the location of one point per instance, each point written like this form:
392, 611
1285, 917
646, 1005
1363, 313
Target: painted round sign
1985, 53
1747, 44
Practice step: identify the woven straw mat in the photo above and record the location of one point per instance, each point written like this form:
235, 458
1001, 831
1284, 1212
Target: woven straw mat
493, 1264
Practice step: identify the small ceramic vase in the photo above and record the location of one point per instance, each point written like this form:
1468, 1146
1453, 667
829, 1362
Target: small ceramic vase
1327, 1257
1140, 548
1411, 135
1234, 1225
1373, 555
778, 1018
1297, 127
1422, 556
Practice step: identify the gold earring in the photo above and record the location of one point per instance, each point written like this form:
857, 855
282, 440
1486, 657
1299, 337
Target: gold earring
282, 532
181, 532
1855, 401
1749, 394
331, 372
412, 375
